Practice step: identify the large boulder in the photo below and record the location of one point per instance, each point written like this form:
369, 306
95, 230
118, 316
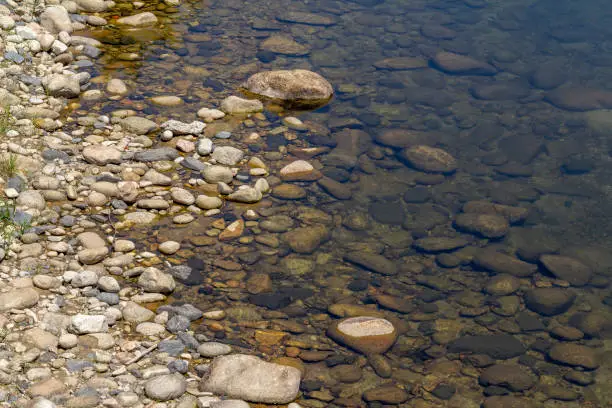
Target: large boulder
294, 87
251, 379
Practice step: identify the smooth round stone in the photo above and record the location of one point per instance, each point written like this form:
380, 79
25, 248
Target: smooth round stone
165, 387
574, 355
429, 159
288, 192
223, 135
213, 349
486, 225
68, 340
166, 100
549, 301
183, 219
169, 247
368, 335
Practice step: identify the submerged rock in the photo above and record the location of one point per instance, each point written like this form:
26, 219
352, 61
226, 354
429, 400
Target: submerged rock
252, 379
235, 105
297, 86
368, 335
462, 65
139, 20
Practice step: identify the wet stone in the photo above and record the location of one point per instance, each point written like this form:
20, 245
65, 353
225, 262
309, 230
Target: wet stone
429, 159
568, 269
486, 225
440, 244
574, 355
549, 301
373, 262
387, 212
501, 263
497, 346
514, 377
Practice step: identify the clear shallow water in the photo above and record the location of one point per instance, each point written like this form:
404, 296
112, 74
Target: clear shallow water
516, 141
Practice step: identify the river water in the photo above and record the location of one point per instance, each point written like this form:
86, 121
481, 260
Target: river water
529, 130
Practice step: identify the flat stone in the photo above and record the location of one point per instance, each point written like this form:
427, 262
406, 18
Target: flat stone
440, 244
512, 376
234, 105
574, 355
165, 387
457, 64
282, 44
373, 262
368, 335
549, 301
138, 20
138, 125
486, 225
497, 346
568, 269
307, 18
213, 349
86, 324
429, 159
18, 299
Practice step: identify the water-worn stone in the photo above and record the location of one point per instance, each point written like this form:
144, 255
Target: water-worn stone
18, 299
251, 379
214, 349
134, 313
297, 86
181, 128
139, 20
461, 65
63, 86
138, 125
217, 174
503, 264
156, 281
165, 387
305, 240
568, 269
373, 262
580, 99
387, 394
101, 155
512, 376
429, 159
549, 301
235, 105
227, 155
208, 203
282, 44
86, 324
439, 244
299, 170
486, 225
55, 19
245, 195
368, 335
497, 346
574, 355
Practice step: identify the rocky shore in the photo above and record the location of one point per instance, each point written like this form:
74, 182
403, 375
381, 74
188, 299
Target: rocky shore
78, 325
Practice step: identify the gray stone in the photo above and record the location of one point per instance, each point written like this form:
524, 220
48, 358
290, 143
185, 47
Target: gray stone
84, 278
216, 174
64, 86
177, 324
227, 155
213, 349
252, 379
246, 195
165, 387
138, 126
56, 19
153, 155
86, 324
182, 128
294, 86
235, 105
204, 146
134, 313
156, 281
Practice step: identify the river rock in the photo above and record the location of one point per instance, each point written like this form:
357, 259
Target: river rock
486, 225
299, 86
507, 401
55, 19
401, 63
580, 99
217, 174
403, 138
439, 244
568, 269
501, 263
165, 387
153, 155
18, 299
548, 76
156, 281
91, 6
236, 106
514, 215
368, 335
429, 159
138, 125
138, 20
501, 91
305, 240
512, 376
282, 44
251, 379
549, 301
181, 128
497, 346
63, 86
247, 195
574, 355
299, 170
87, 324
373, 262
337, 190
227, 155
457, 64
307, 18
387, 394
212, 349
